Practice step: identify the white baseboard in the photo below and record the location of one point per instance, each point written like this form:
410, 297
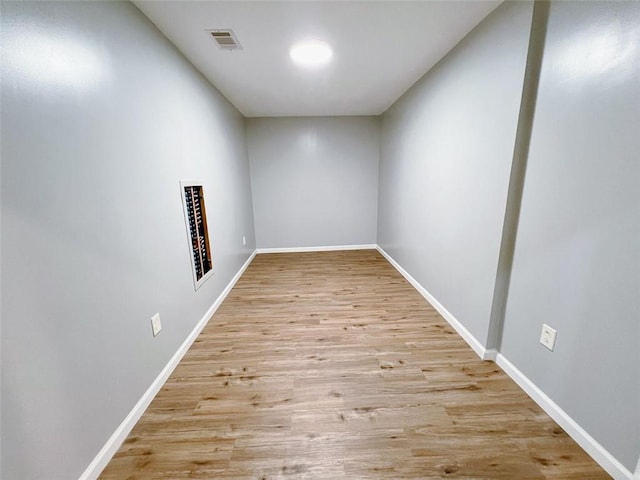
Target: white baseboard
113, 444
473, 342
607, 461
331, 248
586, 441
489, 354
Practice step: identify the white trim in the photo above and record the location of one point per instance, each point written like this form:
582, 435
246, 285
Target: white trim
586, 441
113, 444
448, 316
575, 431
490, 354
331, 248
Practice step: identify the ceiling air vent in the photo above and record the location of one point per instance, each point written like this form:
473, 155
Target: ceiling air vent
225, 39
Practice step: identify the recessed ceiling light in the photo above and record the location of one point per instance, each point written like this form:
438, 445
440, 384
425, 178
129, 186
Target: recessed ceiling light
311, 53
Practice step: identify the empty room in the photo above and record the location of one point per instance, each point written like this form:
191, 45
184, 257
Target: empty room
355, 240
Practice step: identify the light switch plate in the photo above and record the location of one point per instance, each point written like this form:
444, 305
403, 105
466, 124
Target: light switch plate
156, 325
548, 337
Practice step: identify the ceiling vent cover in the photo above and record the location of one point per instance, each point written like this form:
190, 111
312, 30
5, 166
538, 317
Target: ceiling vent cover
225, 39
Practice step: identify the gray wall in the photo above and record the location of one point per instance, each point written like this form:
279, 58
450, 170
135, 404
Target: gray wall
314, 180
445, 160
577, 256
101, 117
94, 242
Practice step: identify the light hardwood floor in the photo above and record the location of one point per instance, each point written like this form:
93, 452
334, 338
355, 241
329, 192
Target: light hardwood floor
331, 366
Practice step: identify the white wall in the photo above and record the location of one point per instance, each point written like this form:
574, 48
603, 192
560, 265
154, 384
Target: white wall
314, 180
577, 257
101, 118
446, 152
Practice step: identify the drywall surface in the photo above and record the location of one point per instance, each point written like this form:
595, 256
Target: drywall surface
314, 180
446, 152
101, 118
577, 258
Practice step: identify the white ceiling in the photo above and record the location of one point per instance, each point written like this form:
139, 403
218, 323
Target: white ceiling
381, 48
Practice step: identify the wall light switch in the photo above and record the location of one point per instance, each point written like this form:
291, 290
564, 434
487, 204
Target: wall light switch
244, 241
548, 337
156, 326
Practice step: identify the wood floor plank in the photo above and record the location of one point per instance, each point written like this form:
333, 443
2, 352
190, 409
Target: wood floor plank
330, 365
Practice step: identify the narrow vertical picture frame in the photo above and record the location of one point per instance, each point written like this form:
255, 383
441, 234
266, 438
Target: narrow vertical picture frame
195, 217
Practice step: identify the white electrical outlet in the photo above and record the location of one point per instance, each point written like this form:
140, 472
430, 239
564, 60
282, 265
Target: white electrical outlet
156, 325
244, 241
548, 337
